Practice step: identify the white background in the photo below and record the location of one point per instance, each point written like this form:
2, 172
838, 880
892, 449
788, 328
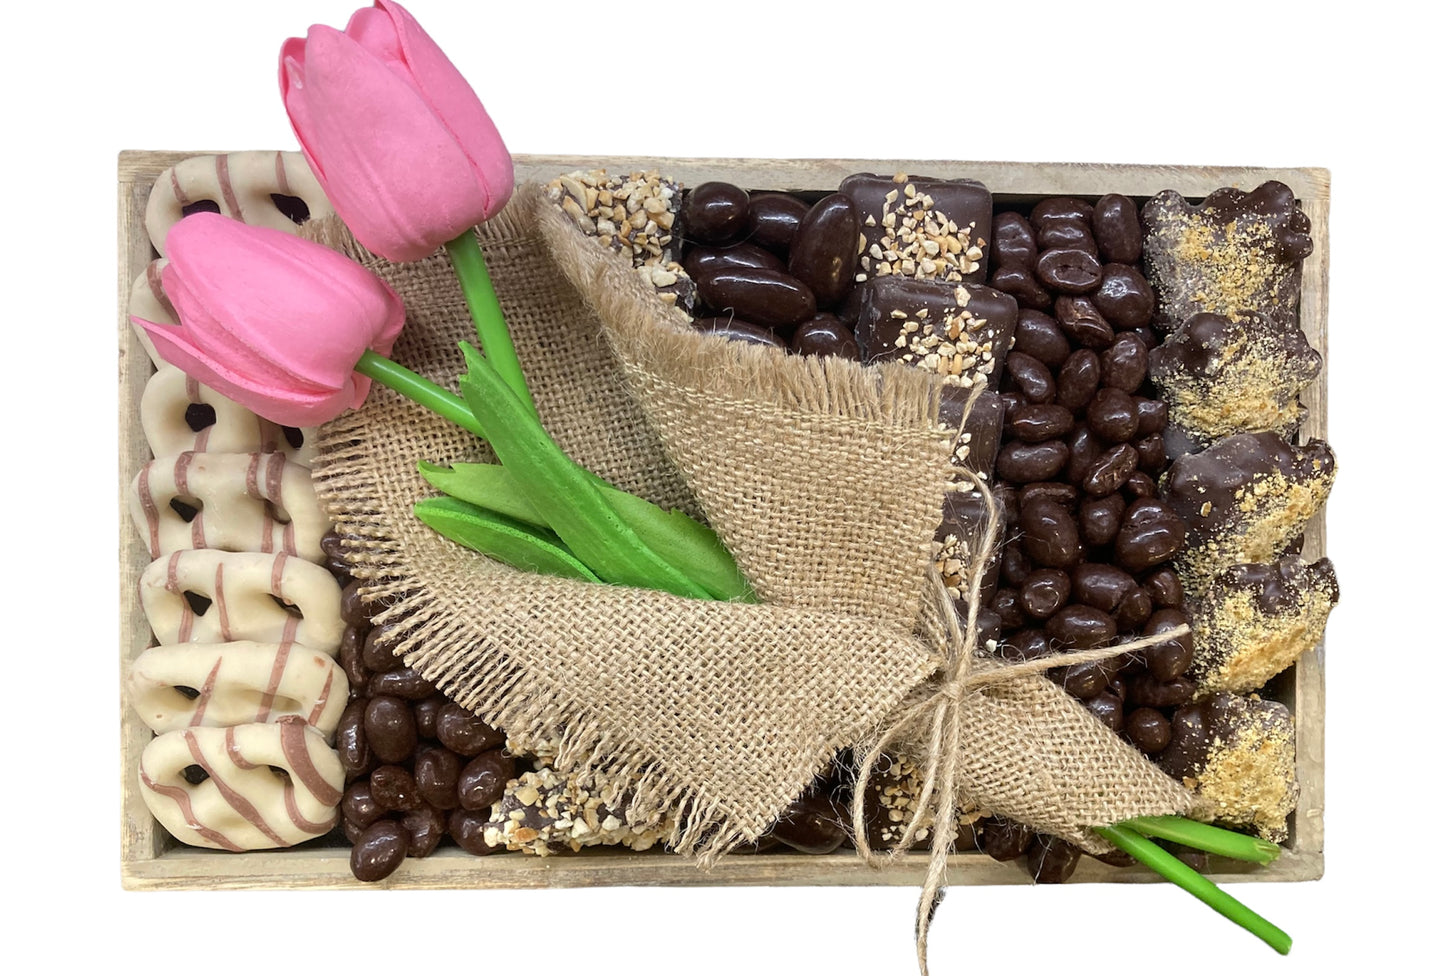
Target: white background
1352, 88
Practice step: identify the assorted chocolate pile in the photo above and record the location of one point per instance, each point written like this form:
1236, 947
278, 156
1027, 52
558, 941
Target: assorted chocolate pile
1143, 373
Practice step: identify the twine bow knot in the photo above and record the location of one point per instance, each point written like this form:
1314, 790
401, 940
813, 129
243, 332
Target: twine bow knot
964, 672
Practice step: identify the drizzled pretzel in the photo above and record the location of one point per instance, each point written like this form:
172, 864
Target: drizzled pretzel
236, 502
244, 788
241, 596
184, 685
174, 405
239, 185
148, 301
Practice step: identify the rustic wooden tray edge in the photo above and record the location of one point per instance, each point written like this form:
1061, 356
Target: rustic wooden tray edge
150, 860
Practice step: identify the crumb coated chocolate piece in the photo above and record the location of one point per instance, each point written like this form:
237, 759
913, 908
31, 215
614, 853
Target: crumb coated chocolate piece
957, 331
1232, 253
1245, 499
1223, 377
1238, 756
919, 227
634, 215
544, 812
1256, 619
892, 800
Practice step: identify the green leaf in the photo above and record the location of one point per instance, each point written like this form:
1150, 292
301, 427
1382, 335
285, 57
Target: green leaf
564, 493
690, 546
503, 539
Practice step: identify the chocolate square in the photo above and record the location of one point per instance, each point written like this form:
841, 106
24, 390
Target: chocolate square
918, 227
959, 331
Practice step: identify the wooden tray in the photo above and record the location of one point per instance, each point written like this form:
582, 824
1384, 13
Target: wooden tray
151, 859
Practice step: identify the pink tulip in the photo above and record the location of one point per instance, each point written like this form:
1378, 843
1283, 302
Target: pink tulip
399, 141
274, 322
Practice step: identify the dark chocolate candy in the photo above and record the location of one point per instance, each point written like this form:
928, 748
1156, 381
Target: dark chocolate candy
1237, 753
1245, 499
738, 331
1223, 377
977, 446
825, 335
825, 249
1254, 620
1233, 253
768, 298
958, 331
922, 227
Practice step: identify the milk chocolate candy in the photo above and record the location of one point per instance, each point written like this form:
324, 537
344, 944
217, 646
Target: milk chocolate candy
919, 227
959, 331
1256, 619
1223, 377
1238, 756
1245, 499
1233, 253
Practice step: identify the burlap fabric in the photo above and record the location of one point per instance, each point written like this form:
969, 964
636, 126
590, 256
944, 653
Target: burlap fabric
823, 478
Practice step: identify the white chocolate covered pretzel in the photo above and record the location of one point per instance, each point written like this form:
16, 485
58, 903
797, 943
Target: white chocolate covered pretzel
239, 185
178, 414
273, 598
179, 686
243, 788
148, 301
236, 502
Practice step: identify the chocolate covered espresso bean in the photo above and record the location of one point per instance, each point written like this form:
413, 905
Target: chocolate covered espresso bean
1060, 208
1021, 463
394, 788
1040, 422
1117, 230
1013, 242
437, 771
1125, 364
424, 827
1148, 729
1150, 534
1032, 377
1050, 535
1099, 519
1078, 379
484, 779
1039, 336
1082, 627
1113, 416
1044, 592
378, 851
1021, 283
715, 213
1101, 586
1082, 322
825, 249
464, 733
390, 728
1110, 471
768, 298
1070, 271
1065, 232
1124, 297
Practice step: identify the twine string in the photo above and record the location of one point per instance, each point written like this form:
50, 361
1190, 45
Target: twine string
963, 673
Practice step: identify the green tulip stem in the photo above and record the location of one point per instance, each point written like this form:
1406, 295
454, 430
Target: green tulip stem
492, 334
394, 376
1205, 837
1171, 869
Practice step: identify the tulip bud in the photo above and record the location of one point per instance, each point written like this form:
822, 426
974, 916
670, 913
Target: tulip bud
275, 322
397, 138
